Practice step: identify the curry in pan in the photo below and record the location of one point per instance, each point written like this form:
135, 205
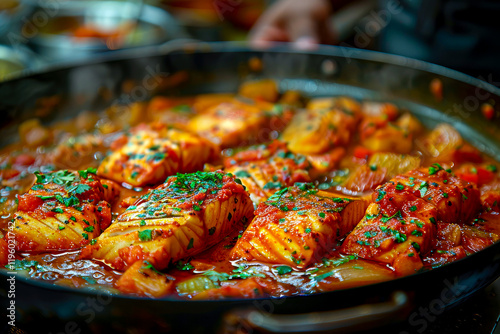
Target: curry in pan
242, 196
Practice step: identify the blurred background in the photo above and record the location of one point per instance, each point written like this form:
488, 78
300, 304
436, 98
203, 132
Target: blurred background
38, 33
459, 34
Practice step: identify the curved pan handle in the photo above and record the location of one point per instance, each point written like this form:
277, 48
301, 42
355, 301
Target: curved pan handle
344, 320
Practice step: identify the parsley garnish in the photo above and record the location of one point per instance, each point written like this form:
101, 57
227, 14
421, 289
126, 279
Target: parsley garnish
145, 235
283, 270
183, 266
242, 173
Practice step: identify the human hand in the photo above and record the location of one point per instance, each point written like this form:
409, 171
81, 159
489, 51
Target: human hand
302, 22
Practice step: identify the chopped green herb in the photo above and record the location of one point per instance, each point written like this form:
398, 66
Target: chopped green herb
370, 234
183, 266
283, 270
416, 246
272, 185
423, 188
148, 265
492, 168
242, 173
381, 194
435, 168
386, 218
145, 235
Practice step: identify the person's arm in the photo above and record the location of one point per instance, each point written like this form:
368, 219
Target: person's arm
303, 22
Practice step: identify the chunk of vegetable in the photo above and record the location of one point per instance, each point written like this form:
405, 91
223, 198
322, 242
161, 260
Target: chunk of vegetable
195, 285
144, 280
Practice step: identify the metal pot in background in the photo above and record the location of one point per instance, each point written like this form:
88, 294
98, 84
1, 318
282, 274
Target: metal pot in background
62, 31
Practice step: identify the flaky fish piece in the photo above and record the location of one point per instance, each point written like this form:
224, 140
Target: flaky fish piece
297, 226
150, 156
240, 122
326, 124
182, 217
400, 226
397, 235
268, 168
456, 200
64, 210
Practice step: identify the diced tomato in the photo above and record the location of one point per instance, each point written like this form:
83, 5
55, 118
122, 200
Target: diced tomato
128, 256
477, 175
467, 153
24, 159
361, 152
469, 177
29, 203
485, 176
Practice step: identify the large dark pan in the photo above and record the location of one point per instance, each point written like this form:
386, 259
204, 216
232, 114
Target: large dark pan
42, 307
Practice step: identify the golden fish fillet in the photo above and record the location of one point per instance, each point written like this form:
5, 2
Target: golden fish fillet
297, 226
240, 123
455, 200
396, 237
182, 217
265, 169
401, 225
326, 124
150, 156
63, 211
